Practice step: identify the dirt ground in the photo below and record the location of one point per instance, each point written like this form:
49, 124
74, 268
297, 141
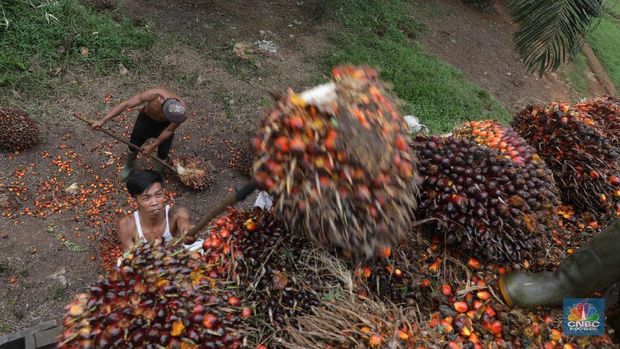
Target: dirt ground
48, 248
480, 44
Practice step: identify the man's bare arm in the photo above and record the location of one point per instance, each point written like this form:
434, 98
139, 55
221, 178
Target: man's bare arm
165, 134
142, 97
126, 228
182, 222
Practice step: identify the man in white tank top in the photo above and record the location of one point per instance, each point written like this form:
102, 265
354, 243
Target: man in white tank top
153, 219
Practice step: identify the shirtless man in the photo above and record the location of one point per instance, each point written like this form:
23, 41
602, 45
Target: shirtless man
161, 116
152, 220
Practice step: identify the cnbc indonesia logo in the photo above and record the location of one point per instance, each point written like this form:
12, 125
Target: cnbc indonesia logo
583, 319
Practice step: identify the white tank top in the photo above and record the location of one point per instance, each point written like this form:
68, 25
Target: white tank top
167, 235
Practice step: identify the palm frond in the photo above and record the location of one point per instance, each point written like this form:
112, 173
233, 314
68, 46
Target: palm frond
552, 31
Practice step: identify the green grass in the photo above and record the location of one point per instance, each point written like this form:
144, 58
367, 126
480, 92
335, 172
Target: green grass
380, 34
604, 41
39, 37
576, 74
613, 7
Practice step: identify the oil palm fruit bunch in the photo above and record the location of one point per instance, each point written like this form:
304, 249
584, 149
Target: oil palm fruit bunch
340, 170
604, 114
584, 162
193, 172
482, 201
242, 160
160, 296
272, 282
510, 144
17, 130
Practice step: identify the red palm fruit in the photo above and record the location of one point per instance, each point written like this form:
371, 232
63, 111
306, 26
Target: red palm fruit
297, 145
282, 144
460, 307
375, 341
496, 327
210, 320
446, 290
296, 122
234, 301
483, 295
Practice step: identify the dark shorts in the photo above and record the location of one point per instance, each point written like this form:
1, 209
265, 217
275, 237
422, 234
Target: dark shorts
146, 128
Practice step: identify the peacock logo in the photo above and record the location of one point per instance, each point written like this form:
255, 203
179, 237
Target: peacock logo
583, 312
582, 318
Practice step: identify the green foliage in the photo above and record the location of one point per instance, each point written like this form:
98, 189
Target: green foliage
38, 37
551, 32
605, 41
380, 34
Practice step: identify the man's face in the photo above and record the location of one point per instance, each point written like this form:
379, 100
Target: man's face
152, 200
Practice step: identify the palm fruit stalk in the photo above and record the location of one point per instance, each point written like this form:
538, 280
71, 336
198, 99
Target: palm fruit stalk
272, 283
482, 201
160, 296
17, 130
357, 323
584, 162
338, 166
604, 114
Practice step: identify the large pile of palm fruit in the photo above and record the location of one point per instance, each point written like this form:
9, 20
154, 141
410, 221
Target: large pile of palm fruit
581, 151
486, 196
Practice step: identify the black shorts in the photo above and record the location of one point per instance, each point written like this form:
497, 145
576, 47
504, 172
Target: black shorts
146, 128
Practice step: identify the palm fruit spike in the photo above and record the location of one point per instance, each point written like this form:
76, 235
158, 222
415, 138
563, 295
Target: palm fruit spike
483, 201
584, 162
17, 130
338, 165
604, 114
158, 297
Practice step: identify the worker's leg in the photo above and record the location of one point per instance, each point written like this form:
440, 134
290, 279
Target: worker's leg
162, 153
593, 267
139, 135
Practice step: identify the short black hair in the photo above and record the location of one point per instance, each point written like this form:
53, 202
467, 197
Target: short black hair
141, 180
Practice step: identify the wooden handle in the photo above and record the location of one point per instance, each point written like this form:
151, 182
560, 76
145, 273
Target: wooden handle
239, 195
123, 140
